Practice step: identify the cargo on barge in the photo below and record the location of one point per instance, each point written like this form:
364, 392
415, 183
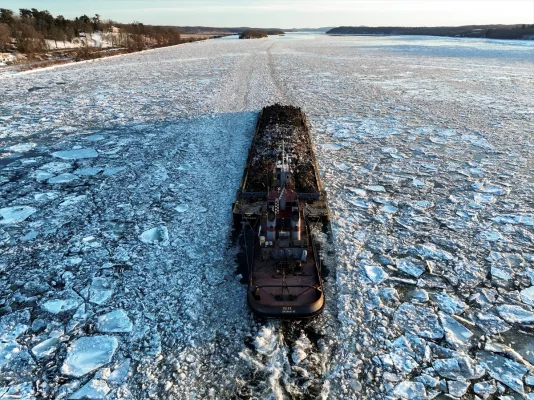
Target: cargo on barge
279, 200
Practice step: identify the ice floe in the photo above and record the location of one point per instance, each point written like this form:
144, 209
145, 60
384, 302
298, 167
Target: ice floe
95, 389
88, 353
63, 178
504, 370
419, 320
14, 215
116, 321
456, 334
76, 154
100, 290
375, 273
46, 348
411, 267
66, 301
158, 235
410, 390
20, 391
515, 314
527, 295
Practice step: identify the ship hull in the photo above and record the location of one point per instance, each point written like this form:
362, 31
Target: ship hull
279, 206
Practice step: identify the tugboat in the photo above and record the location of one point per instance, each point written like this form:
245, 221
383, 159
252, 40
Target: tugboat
279, 202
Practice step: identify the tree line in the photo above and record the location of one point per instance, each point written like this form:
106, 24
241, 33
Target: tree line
521, 31
29, 30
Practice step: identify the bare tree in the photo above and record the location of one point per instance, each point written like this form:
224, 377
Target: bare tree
5, 35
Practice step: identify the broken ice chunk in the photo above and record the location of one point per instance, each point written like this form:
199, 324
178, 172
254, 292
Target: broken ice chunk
500, 273
76, 154
113, 171
100, 291
448, 303
432, 252
120, 374
360, 203
87, 171
95, 389
411, 266
158, 235
376, 188
87, 354
527, 295
389, 208
71, 200
332, 146
417, 182
515, 314
66, 301
490, 236
14, 215
13, 325
114, 321
518, 219
375, 273
460, 368
410, 390
8, 351
94, 138
181, 208
403, 360
29, 236
55, 167
490, 323
419, 320
357, 191
19, 391
63, 178
456, 334
491, 189
46, 348
341, 166
418, 295
422, 205
504, 370
485, 389
457, 388
22, 147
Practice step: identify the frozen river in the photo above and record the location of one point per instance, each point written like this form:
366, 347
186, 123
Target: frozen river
117, 266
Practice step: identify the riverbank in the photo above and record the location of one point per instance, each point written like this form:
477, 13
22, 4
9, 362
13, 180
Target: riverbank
507, 32
21, 62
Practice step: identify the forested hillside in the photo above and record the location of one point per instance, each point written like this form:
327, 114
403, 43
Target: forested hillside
522, 31
34, 31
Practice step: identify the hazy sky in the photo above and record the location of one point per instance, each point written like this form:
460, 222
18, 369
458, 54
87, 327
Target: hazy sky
292, 13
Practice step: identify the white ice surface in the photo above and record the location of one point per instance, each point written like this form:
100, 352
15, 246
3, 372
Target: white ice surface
440, 128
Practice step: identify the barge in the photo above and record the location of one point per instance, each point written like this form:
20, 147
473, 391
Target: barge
279, 202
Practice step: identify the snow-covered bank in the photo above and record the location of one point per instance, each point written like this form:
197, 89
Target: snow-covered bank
117, 179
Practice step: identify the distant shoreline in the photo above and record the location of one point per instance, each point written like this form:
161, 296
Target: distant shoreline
505, 32
422, 35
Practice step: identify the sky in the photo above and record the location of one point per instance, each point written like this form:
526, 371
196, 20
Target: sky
292, 13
